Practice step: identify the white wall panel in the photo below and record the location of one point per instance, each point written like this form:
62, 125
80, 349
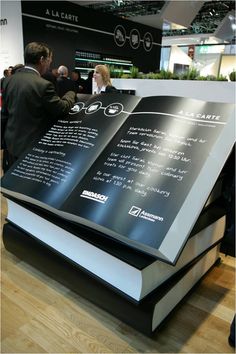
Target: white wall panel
11, 52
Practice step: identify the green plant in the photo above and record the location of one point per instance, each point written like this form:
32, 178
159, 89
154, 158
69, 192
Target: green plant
150, 75
164, 74
221, 78
134, 72
211, 78
190, 74
193, 73
232, 76
201, 78
120, 72
115, 72
175, 77
112, 70
125, 76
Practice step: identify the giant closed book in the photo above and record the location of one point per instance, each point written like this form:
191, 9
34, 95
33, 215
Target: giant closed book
146, 315
125, 269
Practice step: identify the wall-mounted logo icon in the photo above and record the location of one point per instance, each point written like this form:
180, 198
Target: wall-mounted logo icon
113, 109
120, 35
134, 38
77, 108
147, 41
135, 211
93, 107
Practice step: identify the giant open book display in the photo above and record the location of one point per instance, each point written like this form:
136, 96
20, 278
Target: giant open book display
137, 170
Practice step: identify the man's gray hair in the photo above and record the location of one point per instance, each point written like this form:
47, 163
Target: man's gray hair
63, 70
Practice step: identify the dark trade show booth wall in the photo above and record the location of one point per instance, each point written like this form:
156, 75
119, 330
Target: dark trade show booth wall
68, 28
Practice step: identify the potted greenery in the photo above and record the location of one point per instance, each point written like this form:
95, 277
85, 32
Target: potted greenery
232, 76
191, 74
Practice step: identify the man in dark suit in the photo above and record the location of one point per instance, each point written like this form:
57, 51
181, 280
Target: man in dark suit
50, 76
64, 83
30, 102
80, 82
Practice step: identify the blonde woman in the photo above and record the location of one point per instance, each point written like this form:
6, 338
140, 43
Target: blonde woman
102, 79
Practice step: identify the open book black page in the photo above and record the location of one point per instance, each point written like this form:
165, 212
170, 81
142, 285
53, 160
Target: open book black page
138, 170
149, 185
49, 172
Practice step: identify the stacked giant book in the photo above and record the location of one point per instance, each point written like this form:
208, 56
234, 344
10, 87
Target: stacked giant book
122, 201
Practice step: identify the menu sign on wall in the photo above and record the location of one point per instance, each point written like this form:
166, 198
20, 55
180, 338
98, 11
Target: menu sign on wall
75, 27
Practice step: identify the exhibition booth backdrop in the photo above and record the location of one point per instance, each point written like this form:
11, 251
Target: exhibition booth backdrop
68, 28
78, 32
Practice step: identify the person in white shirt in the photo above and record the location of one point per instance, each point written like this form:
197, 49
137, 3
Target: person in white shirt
102, 79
